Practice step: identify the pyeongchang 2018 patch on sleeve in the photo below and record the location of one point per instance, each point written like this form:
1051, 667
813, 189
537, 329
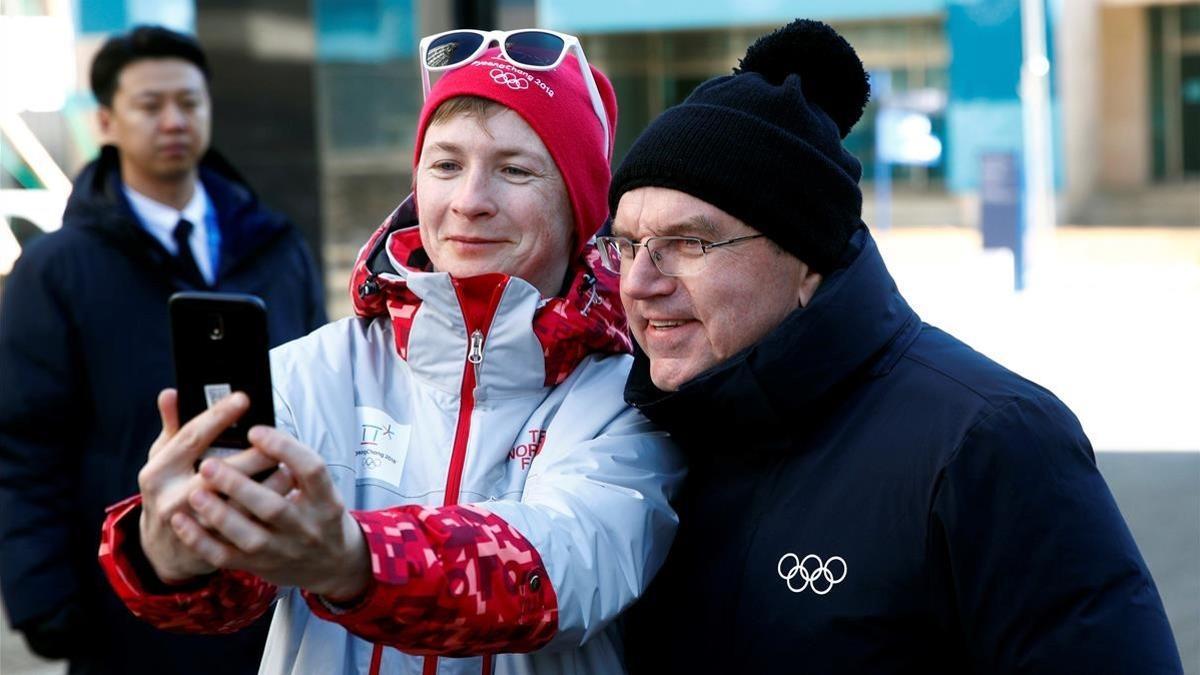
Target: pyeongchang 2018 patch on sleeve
382, 446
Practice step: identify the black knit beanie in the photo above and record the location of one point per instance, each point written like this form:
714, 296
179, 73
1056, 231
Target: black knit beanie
765, 143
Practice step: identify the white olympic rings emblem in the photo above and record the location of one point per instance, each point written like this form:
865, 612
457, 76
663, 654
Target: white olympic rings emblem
508, 79
821, 575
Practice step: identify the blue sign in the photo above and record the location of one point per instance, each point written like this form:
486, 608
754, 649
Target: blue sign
1000, 199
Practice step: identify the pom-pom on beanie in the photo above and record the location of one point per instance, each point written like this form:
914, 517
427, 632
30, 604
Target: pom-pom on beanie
765, 143
556, 105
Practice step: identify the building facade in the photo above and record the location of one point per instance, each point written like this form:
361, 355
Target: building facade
318, 100
1124, 113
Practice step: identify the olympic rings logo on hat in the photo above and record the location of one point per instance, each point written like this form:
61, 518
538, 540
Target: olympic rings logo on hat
508, 79
819, 577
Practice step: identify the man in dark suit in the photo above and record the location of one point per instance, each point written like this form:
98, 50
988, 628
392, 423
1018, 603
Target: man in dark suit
85, 349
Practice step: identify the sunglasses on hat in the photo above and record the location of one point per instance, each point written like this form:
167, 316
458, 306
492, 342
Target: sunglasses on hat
534, 49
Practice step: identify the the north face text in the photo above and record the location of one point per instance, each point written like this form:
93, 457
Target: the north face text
527, 451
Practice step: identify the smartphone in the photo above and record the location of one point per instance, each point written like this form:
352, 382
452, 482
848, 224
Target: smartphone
219, 346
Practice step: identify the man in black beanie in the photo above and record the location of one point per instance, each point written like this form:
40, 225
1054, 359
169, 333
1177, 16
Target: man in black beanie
867, 494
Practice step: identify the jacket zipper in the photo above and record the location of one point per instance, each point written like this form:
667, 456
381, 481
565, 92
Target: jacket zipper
458, 458
462, 432
477, 327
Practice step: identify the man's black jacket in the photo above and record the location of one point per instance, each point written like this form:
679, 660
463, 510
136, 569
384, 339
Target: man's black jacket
84, 351
868, 495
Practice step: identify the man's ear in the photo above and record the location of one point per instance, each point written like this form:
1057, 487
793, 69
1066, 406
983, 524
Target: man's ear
809, 281
104, 119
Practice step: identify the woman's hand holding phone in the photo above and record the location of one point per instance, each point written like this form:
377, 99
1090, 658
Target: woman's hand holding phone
169, 478
305, 538
290, 529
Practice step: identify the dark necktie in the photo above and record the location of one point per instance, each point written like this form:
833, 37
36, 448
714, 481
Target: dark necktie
188, 268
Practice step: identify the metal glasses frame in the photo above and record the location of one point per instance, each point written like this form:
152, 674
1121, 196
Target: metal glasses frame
603, 243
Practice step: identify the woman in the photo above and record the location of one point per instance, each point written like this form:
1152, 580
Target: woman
506, 499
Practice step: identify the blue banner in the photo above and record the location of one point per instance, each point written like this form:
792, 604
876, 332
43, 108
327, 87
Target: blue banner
612, 16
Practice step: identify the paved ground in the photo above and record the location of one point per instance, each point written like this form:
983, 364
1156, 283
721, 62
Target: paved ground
1159, 495
16, 660
1110, 323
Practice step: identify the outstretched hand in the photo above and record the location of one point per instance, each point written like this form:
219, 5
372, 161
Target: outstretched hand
305, 538
169, 476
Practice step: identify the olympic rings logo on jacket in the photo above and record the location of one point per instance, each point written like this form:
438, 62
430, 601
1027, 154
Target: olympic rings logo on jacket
821, 578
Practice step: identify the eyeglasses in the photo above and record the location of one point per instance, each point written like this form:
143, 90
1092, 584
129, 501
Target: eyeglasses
673, 256
535, 49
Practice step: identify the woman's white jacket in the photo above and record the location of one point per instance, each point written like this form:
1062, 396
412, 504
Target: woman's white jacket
513, 504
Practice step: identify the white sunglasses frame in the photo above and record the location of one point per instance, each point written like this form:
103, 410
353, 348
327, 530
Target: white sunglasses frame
570, 43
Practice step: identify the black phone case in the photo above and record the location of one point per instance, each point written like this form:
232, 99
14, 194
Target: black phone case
219, 346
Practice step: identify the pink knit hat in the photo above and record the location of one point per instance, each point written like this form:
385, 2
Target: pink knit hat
556, 105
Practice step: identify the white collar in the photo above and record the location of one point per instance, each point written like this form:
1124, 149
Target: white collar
160, 219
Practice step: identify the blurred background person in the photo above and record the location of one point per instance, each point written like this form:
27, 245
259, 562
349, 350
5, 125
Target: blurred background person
84, 348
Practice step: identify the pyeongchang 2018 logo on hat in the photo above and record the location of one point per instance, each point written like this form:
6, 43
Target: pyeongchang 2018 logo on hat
508, 79
508, 75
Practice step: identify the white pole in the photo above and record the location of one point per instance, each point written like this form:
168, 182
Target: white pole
1038, 163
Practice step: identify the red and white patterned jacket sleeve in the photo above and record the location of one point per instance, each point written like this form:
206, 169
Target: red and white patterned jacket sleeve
224, 602
449, 581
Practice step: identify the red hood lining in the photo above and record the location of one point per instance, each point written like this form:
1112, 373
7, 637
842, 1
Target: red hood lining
586, 319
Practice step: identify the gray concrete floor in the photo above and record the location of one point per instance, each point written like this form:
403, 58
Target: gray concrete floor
15, 659
1159, 495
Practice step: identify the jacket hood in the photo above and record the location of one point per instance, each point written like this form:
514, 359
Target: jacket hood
586, 319
98, 203
856, 326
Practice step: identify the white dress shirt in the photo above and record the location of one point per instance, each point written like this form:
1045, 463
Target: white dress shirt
160, 221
